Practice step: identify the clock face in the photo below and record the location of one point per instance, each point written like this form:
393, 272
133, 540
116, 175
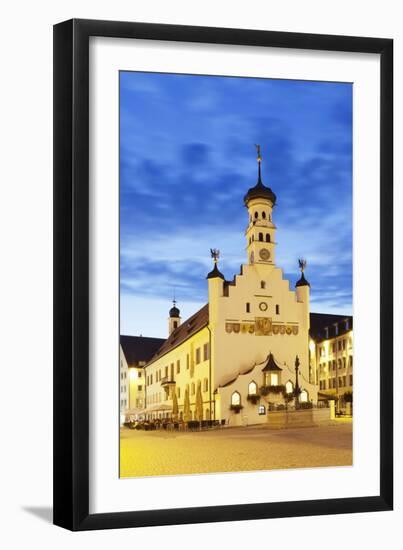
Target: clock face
263, 306
264, 254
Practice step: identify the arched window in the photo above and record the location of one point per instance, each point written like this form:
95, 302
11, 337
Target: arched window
260, 236
236, 398
264, 215
252, 388
303, 396
253, 238
267, 237
262, 409
256, 215
262, 284
175, 324
289, 387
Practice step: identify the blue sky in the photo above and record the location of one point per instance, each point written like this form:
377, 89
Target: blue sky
187, 157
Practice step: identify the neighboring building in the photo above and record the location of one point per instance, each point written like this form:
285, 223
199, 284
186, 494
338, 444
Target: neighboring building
331, 357
135, 351
250, 339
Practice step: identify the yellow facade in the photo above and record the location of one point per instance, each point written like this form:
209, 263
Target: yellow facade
245, 320
334, 366
182, 369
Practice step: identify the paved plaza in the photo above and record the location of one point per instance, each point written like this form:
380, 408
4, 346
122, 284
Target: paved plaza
234, 449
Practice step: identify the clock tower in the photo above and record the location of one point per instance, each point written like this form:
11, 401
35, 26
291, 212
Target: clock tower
259, 201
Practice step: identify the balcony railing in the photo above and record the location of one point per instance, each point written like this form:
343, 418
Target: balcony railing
167, 381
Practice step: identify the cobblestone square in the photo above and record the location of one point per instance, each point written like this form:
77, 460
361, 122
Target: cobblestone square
251, 448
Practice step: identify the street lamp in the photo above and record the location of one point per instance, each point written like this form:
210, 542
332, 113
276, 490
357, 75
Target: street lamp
297, 388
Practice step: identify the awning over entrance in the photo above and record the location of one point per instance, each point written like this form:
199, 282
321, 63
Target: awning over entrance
161, 407
326, 396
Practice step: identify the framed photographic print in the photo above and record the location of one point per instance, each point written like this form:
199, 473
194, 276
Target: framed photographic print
223, 320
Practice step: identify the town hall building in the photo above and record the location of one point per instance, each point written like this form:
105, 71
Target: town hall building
246, 351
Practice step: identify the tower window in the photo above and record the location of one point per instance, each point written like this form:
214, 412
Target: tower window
175, 324
260, 236
264, 215
256, 215
262, 284
247, 307
268, 237
277, 309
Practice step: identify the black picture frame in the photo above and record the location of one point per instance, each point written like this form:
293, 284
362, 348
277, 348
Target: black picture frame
71, 274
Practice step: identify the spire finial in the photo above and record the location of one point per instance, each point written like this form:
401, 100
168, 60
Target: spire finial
302, 281
215, 254
302, 264
259, 156
259, 162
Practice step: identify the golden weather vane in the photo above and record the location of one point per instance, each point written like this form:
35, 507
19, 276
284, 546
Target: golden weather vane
215, 254
302, 264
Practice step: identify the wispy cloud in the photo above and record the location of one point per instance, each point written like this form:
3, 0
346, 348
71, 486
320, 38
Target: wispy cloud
187, 159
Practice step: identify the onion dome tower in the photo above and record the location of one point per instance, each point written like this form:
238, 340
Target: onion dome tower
302, 291
215, 280
302, 281
260, 200
174, 317
215, 254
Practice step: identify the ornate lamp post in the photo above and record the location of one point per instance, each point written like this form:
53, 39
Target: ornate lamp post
297, 388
